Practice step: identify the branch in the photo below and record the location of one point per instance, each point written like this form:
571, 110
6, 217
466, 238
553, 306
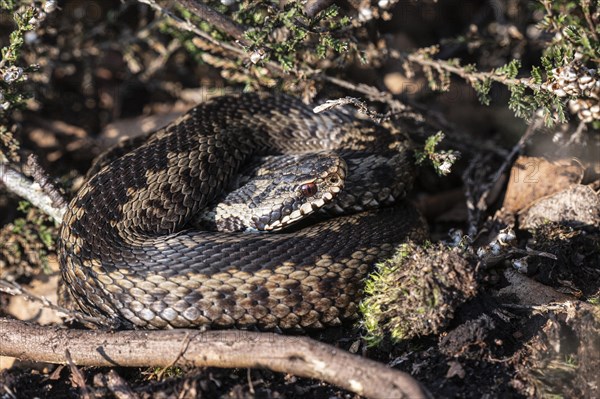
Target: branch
301, 356
371, 92
529, 292
361, 106
226, 24
13, 288
585, 6
40, 192
313, 7
216, 19
189, 27
477, 193
469, 76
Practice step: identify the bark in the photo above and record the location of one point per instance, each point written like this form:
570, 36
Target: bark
300, 356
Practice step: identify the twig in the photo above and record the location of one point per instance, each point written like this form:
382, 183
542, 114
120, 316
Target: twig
585, 6
362, 107
160, 61
526, 291
119, 387
249, 378
188, 26
216, 19
41, 193
184, 345
371, 92
39, 175
550, 17
313, 7
12, 288
571, 307
424, 59
77, 376
577, 136
477, 206
300, 356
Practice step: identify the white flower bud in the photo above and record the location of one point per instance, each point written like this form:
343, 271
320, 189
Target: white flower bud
50, 6
365, 14
257, 56
30, 37
12, 74
445, 167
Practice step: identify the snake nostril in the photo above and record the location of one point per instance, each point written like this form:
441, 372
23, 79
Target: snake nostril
334, 180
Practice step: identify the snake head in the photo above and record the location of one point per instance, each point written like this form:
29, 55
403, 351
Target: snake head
281, 191
304, 185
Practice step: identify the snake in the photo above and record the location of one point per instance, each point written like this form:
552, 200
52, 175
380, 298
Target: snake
134, 251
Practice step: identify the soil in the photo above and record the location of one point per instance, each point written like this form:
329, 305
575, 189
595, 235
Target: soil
509, 339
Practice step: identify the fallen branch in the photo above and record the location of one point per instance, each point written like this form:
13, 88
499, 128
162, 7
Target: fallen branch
529, 292
300, 356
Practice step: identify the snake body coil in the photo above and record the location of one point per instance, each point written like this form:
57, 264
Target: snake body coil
128, 254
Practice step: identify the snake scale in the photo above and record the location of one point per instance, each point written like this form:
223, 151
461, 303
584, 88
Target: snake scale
130, 252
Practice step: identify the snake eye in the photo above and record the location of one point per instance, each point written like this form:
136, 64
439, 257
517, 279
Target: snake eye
308, 189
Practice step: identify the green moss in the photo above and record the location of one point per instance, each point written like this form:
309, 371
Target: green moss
415, 293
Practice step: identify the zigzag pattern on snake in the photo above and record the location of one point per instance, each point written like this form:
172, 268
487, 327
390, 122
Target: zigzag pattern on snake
129, 252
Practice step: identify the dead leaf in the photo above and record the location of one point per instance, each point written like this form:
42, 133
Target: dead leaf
532, 178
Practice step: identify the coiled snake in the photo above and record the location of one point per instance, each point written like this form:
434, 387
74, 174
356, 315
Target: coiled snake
130, 253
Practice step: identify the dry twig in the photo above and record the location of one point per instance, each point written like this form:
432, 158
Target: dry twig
313, 7
478, 194
362, 107
237, 51
300, 356
40, 192
119, 387
424, 60
216, 19
77, 376
39, 175
12, 288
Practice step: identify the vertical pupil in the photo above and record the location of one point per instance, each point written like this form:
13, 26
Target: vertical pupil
308, 189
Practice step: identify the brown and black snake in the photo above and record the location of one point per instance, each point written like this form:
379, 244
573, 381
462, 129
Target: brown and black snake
131, 253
